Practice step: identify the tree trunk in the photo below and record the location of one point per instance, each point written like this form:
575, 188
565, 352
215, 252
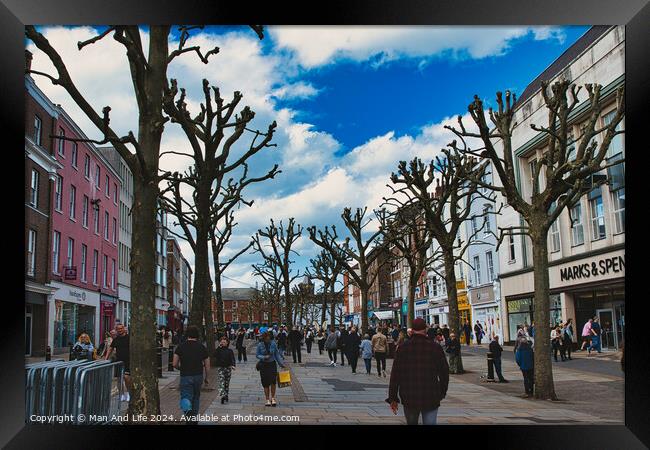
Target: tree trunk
287, 300
201, 279
364, 311
333, 308
209, 324
411, 300
142, 325
452, 299
324, 307
544, 388
217, 288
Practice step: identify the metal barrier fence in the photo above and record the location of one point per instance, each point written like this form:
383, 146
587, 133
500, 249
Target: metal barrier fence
77, 390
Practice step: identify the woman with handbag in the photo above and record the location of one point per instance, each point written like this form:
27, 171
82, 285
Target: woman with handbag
268, 358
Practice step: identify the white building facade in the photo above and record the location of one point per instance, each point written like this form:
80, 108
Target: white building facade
586, 251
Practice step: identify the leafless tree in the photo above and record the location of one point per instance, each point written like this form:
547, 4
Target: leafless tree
277, 253
404, 227
568, 169
141, 154
445, 200
212, 135
327, 269
219, 236
270, 272
355, 262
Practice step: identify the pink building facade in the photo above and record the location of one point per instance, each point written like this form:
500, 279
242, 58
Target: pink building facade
84, 241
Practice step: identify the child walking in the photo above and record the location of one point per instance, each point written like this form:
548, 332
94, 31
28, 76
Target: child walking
225, 365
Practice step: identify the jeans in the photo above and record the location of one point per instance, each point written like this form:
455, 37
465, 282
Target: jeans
529, 380
332, 354
429, 417
497, 368
308, 343
380, 357
342, 357
368, 362
190, 389
595, 344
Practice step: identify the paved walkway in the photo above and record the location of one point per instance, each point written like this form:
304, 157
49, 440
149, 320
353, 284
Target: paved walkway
333, 395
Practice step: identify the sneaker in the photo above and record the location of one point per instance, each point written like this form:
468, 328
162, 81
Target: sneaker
127, 397
273, 402
333, 364
268, 403
384, 374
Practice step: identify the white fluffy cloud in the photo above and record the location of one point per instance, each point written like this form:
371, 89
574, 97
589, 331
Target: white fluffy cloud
320, 45
315, 184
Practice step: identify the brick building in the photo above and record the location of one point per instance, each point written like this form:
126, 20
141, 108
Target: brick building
40, 174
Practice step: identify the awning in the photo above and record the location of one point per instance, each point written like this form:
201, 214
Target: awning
383, 315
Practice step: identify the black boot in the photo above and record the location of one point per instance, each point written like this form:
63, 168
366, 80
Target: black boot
223, 400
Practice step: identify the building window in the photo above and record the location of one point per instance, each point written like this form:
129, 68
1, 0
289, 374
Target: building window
108, 187
511, 239
577, 235
555, 237
616, 144
73, 202
75, 148
95, 262
33, 198
114, 230
70, 252
87, 166
571, 147
115, 193
31, 252
61, 142
58, 193
56, 251
106, 225
534, 180
597, 215
618, 210
474, 226
84, 256
487, 212
38, 126
490, 265
98, 182
96, 219
477, 269
105, 272
84, 212
113, 274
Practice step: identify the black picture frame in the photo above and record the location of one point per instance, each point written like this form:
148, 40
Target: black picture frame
635, 14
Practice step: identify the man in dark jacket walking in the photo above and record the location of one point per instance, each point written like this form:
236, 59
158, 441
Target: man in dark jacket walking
420, 376
525, 358
496, 351
295, 340
352, 347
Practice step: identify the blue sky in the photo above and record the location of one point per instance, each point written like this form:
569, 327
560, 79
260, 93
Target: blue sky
350, 102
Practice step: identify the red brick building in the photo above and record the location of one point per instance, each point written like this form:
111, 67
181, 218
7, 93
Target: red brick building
241, 309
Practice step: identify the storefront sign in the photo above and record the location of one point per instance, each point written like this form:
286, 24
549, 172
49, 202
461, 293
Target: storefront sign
606, 266
462, 302
78, 295
67, 293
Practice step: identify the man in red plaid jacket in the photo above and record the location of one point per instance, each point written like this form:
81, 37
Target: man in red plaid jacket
420, 375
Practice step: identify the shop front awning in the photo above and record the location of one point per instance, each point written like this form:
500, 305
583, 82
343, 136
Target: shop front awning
383, 315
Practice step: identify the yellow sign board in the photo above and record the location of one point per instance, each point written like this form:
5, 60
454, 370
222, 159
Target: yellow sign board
463, 304
460, 285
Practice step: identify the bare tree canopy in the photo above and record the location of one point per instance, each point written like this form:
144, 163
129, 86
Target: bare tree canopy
276, 254
355, 262
568, 168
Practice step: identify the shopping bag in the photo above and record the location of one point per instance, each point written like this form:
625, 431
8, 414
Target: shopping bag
284, 378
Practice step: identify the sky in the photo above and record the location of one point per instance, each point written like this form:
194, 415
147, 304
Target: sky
349, 102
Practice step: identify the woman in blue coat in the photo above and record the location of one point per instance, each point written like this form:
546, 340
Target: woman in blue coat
525, 358
268, 358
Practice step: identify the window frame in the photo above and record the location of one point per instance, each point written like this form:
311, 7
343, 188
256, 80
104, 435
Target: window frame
106, 225
32, 237
61, 144
38, 130
489, 258
84, 211
87, 166
70, 259
34, 189
73, 203
575, 226
74, 155
477, 269
84, 257
58, 194
95, 264
597, 218
56, 252
617, 211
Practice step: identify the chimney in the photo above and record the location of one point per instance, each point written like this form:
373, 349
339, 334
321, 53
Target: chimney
28, 60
